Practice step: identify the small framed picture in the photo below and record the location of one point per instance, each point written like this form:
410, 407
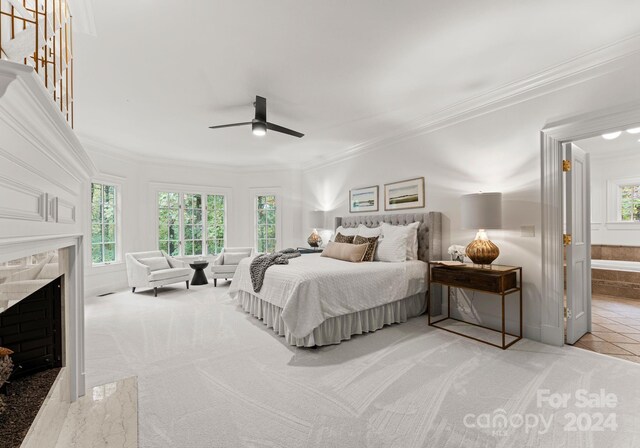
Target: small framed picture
363, 199
404, 194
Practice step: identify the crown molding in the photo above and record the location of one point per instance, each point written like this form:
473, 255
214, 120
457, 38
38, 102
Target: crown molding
589, 65
95, 146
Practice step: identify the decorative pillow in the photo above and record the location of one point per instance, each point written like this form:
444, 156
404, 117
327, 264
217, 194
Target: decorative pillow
412, 237
233, 257
346, 231
155, 263
392, 247
345, 251
368, 232
372, 243
340, 238
412, 241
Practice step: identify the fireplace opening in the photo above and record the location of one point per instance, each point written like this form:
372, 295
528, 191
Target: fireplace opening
32, 329
31, 337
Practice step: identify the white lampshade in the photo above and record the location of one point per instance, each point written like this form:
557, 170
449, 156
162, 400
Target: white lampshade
316, 219
482, 211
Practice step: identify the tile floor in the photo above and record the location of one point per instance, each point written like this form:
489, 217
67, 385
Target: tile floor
615, 328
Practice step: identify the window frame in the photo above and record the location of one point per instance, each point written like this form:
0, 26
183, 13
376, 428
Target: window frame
614, 202
108, 181
255, 192
157, 188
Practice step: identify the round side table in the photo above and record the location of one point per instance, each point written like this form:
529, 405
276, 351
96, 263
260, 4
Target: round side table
199, 277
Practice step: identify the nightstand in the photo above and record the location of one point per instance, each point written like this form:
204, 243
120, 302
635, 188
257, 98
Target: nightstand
494, 279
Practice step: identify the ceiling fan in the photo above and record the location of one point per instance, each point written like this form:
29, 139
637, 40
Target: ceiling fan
259, 124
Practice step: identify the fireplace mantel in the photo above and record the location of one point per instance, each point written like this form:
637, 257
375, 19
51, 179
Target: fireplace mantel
73, 300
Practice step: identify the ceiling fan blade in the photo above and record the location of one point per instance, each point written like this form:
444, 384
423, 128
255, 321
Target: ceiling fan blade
229, 125
275, 127
261, 108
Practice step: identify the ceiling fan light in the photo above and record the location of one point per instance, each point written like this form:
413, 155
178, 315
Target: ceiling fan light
611, 135
258, 128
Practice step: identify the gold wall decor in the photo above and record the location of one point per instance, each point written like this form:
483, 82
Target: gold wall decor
38, 33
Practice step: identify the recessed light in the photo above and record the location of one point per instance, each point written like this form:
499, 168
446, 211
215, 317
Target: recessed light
611, 135
633, 131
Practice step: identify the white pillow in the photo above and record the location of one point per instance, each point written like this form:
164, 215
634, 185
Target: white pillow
392, 247
369, 232
155, 263
234, 257
412, 237
346, 231
412, 241
49, 271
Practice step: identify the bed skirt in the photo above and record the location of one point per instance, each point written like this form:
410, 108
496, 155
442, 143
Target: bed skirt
335, 329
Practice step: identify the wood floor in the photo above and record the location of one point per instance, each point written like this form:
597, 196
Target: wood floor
615, 328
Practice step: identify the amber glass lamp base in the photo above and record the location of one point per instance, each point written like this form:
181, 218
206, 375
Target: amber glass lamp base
482, 250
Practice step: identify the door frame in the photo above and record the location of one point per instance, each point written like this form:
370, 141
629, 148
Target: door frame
552, 137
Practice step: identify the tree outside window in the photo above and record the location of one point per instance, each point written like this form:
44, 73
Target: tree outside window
266, 223
630, 203
169, 223
103, 223
215, 223
191, 224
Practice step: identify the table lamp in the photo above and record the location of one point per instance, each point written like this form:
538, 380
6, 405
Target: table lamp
482, 211
317, 222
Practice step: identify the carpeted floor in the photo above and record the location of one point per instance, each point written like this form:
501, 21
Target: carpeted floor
209, 375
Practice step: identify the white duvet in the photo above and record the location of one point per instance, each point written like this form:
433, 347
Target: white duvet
311, 288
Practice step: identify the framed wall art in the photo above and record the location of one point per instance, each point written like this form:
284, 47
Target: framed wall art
404, 194
363, 199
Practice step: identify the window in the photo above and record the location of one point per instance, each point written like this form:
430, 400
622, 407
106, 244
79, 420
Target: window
629, 203
169, 223
192, 204
189, 225
103, 223
215, 223
266, 219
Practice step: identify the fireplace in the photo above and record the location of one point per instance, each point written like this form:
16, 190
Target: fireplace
41, 323
32, 329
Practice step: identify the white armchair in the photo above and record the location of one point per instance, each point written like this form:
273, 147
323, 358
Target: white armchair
225, 265
154, 269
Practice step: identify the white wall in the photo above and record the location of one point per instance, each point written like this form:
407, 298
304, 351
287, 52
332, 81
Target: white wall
139, 183
604, 228
499, 151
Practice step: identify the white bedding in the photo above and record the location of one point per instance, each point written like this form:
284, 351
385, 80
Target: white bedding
311, 288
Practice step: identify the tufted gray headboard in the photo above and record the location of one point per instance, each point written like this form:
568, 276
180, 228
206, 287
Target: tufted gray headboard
429, 232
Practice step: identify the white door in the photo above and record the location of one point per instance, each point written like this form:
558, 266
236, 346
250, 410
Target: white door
578, 252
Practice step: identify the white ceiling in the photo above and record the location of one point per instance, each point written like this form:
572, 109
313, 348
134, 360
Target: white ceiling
158, 73
626, 143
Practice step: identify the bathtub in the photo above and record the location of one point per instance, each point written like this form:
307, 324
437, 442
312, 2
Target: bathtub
616, 265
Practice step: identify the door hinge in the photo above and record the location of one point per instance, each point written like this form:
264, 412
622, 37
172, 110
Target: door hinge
566, 239
566, 165
567, 313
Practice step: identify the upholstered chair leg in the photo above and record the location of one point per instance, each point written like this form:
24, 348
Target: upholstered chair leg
155, 292
133, 289
187, 284
215, 282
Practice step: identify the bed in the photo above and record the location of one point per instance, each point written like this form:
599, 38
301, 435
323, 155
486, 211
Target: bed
316, 300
